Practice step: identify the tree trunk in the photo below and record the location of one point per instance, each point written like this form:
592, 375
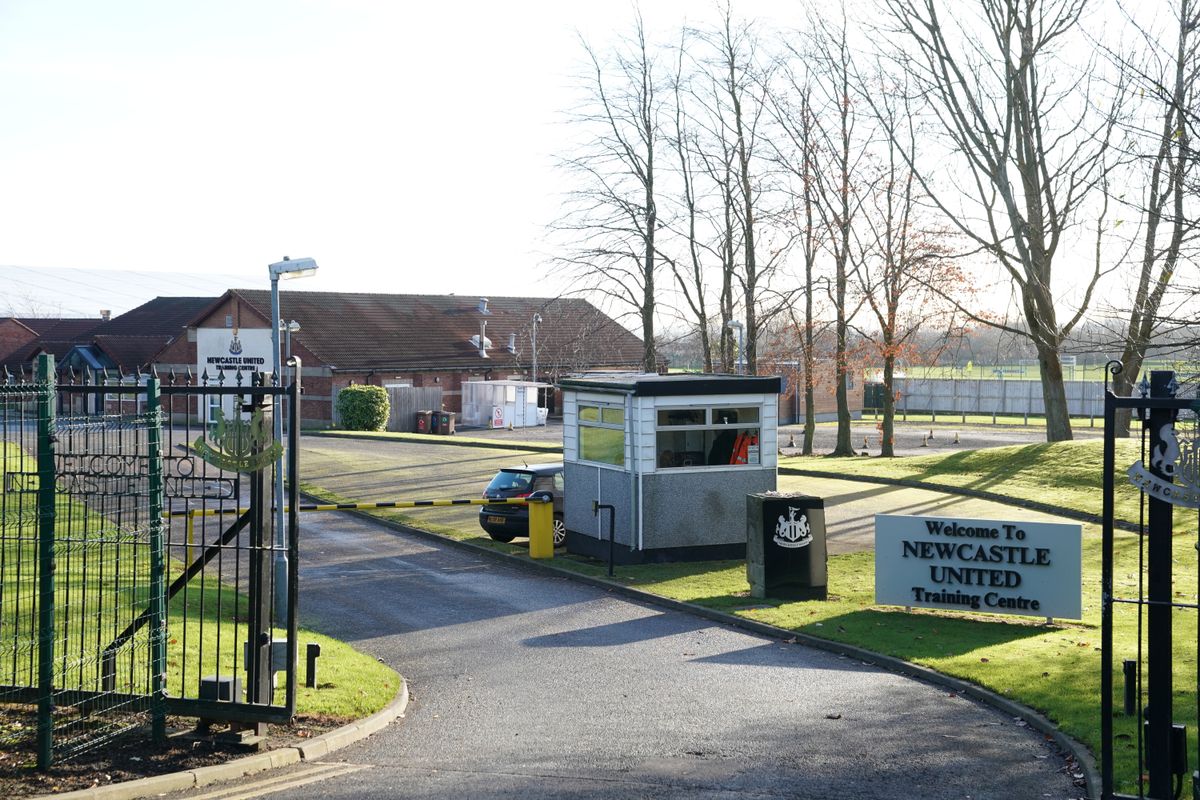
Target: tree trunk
844, 447
1054, 394
810, 405
649, 358
887, 446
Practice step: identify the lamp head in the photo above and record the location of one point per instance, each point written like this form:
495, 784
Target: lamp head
299, 268
293, 327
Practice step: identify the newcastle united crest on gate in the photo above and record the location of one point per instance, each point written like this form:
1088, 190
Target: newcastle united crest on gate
1177, 460
792, 532
239, 445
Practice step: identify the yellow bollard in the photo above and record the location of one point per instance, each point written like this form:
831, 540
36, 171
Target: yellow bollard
541, 530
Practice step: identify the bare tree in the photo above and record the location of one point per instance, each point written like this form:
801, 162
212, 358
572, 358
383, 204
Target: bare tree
734, 112
796, 153
1024, 136
904, 255
1168, 81
612, 218
839, 193
690, 270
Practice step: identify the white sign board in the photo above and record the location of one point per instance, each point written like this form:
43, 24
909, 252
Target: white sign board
233, 351
997, 566
233, 355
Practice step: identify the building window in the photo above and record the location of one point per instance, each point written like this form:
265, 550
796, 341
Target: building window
602, 434
712, 436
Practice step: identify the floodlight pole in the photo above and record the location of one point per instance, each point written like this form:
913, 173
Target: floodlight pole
289, 269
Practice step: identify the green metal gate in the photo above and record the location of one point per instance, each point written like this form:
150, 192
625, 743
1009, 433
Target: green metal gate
81, 557
125, 593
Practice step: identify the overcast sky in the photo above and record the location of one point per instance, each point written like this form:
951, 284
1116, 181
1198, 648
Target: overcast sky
408, 147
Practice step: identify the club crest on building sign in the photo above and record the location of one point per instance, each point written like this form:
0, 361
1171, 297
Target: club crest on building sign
235, 344
793, 532
1177, 460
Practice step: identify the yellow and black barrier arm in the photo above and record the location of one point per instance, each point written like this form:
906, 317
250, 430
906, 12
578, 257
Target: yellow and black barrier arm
541, 515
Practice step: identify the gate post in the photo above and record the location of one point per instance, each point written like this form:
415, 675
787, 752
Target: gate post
1106, 589
45, 561
158, 565
258, 690
1158, 531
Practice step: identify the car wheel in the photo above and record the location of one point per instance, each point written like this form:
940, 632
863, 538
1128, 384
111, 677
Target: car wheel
501, 537
560, 530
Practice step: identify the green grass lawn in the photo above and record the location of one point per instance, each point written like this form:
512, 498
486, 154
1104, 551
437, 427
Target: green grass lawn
1054, 669
205, 622
1062, 474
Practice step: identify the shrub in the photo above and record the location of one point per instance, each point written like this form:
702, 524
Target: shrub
363, 408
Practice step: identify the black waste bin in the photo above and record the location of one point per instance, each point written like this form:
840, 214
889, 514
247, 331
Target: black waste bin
424, 422
785, 546
445, 423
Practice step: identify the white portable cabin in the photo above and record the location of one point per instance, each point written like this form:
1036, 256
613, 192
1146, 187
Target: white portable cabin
675, 455
501, 404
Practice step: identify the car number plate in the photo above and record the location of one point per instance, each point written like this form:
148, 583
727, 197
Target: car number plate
500, 520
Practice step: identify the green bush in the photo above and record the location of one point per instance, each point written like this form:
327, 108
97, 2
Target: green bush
363, 408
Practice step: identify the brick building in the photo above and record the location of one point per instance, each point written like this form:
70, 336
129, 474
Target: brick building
420, 340
121, 345
344, 339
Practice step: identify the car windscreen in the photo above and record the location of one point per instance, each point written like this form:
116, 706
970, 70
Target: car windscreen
510, 482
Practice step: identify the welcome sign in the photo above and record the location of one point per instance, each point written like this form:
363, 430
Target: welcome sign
997, 566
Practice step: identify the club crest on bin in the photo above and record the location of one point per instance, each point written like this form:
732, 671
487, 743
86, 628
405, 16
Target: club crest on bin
793, 532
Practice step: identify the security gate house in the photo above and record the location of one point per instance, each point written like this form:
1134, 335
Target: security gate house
1149, 592
138, 558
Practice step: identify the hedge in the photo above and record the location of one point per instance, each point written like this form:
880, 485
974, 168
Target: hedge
363, 408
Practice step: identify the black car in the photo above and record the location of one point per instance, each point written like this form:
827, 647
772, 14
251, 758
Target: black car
506, 522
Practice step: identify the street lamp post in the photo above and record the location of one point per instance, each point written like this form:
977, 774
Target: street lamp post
300, 268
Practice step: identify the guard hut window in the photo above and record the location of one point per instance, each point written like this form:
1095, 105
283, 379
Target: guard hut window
711, 436
602, 434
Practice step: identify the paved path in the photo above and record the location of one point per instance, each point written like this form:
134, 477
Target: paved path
532, 686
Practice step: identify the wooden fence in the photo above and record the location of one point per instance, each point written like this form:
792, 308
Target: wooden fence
406, 401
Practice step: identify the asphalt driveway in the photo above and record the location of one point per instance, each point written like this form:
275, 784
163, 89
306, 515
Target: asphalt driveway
532, 686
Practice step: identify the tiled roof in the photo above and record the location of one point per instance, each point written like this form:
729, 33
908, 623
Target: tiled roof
131, 340
131, 352
24, 356
61, 328
352, 331
162, 316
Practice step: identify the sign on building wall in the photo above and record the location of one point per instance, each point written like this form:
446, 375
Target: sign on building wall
997, 566
233, 351
234, 354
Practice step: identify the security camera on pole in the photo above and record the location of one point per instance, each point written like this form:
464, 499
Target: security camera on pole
300, 268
